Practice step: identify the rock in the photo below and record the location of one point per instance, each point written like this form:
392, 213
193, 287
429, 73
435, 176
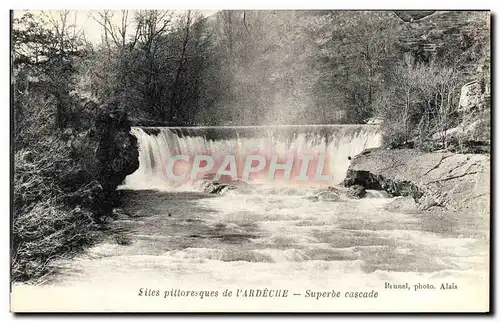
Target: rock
426, 202
215, 187
207, 186
328, 196
457, 182
470, 96
356, 192
117, 151
223, 188
119, 214
333, 189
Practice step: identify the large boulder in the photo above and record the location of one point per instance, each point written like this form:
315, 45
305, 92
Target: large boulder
328, 195
458, 182
470, 96
215, 187
356, 191
117, 152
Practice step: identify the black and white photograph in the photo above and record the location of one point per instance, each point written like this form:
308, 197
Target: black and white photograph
259, 161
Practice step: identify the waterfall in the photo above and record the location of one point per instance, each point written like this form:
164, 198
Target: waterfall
157, 145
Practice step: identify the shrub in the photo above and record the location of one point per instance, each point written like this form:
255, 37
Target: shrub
48, 221
38, 171
422, 100
46, 232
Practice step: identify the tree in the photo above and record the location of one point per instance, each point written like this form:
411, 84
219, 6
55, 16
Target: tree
45, 51
420, 103
356, 50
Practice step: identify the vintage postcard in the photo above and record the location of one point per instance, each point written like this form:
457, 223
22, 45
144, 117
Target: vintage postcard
250, 161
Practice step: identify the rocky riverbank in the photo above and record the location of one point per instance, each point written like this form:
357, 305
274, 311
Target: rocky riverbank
456, 182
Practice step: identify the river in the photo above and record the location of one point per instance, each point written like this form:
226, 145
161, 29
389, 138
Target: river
272, 237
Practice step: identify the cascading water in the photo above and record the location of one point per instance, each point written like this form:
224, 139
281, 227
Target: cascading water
158, 145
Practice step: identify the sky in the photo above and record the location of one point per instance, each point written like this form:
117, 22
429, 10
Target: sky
85, 21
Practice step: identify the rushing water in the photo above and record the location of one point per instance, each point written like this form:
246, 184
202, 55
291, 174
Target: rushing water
271, 236
337, 142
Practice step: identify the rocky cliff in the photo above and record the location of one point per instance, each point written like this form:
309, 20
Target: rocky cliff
457, 182
117, 152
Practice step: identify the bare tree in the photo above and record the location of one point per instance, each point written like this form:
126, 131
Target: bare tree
174, 104
151, 24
